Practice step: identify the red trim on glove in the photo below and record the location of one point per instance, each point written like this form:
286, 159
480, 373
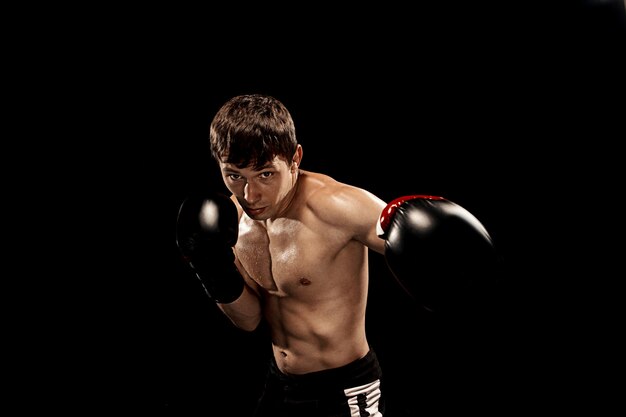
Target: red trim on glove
390, 209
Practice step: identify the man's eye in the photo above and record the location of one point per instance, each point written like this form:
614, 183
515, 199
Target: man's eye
266, 174
234, 177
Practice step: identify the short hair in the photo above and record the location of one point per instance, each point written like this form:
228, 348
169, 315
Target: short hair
251, 130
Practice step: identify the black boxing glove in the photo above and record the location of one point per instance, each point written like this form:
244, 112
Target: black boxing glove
206, 230
438, 251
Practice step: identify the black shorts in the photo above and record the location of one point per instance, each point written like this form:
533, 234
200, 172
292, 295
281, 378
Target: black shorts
352, 390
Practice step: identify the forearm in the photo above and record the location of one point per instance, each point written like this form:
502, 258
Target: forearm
245, 311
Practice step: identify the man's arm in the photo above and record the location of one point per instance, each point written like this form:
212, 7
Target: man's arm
207, 230
245, 312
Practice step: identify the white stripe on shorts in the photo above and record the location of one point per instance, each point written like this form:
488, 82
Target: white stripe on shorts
363, 400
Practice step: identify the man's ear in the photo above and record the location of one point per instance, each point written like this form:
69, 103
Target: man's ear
297, 158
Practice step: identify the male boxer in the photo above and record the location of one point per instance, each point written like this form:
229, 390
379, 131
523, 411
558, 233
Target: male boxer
290, 247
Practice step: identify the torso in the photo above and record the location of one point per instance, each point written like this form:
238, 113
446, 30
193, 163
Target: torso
312, 276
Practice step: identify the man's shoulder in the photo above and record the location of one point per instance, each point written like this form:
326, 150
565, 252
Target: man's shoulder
316, 186
323, 194
315, 179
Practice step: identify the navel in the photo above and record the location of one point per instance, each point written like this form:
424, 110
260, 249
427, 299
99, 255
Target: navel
304, 281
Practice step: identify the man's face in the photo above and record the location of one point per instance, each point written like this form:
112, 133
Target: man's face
262, 193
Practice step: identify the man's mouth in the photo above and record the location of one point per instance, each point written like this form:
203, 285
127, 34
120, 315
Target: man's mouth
254, 212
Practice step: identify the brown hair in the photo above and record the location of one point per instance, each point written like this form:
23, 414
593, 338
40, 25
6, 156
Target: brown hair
250, 130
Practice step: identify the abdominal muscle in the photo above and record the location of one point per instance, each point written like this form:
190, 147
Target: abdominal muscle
309, 337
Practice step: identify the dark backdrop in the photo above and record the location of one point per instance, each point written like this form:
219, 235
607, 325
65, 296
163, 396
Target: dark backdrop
506, 110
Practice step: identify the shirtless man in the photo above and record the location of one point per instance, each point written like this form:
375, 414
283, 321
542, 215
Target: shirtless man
289, 247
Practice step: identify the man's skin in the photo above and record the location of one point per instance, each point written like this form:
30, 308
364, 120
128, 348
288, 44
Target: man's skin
303, 251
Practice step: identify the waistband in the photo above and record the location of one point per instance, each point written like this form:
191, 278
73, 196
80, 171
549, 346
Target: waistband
358, 372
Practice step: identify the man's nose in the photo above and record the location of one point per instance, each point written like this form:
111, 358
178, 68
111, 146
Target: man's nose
251, 193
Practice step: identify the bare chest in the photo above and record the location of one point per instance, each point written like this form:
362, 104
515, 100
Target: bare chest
281, 258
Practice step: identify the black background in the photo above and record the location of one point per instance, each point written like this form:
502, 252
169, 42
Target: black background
513, 111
